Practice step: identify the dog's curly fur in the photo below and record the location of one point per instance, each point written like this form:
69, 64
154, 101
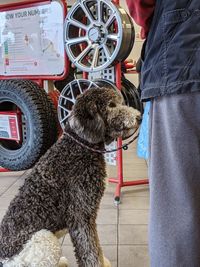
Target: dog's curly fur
65, 187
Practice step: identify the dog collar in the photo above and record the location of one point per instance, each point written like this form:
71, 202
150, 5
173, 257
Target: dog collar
103, 151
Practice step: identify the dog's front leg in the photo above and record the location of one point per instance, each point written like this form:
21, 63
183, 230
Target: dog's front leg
87, 247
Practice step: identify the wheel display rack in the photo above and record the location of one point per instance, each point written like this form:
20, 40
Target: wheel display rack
91, 52
96, 34
119, 180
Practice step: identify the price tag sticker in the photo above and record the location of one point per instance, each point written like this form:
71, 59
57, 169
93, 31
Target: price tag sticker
9, 128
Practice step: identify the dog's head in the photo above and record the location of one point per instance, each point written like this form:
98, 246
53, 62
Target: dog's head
99, 115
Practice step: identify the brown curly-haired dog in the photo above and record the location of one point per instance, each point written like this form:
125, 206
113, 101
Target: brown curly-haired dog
64, 189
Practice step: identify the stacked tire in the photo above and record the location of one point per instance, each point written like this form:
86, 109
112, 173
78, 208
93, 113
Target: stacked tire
39, 125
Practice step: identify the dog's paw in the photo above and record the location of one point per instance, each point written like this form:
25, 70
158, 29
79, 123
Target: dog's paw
63, 262
106, 263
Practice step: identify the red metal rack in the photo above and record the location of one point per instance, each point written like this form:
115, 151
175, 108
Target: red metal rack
119, 181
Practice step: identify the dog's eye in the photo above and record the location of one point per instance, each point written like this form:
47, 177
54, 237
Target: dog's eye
112, 105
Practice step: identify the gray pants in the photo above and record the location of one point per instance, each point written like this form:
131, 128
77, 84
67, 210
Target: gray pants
174, 172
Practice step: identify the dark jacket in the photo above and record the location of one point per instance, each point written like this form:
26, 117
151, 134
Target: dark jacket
171, 56
172, 51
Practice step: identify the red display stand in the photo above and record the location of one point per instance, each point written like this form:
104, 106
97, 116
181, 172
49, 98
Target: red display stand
119, 181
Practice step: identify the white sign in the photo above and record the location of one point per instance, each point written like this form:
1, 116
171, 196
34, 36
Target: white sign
31, 40
9, 127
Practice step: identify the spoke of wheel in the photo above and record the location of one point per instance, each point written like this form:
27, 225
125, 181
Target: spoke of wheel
91, 83
113, 36
77, 40
72, 92
106, 51
63, 108
78, 24
66, 98
83, 54
110, 20
95, 57
99, 10
64, 118
79, 86
87, 12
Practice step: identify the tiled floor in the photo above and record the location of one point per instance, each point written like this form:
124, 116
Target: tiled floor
122, 230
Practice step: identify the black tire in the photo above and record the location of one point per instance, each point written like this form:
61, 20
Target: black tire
60, 84
132, 95
40, 123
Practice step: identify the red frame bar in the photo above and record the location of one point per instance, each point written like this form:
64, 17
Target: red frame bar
119, 181
3, 170
23, 4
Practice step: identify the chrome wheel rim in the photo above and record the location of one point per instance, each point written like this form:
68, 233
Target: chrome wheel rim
68, 97
91, 39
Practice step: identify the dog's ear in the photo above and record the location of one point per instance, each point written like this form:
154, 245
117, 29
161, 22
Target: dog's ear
86, 120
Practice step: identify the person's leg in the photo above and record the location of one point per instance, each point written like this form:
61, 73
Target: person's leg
174, 172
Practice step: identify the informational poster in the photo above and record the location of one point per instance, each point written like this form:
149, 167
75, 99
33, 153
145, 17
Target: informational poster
9, 127
31, 40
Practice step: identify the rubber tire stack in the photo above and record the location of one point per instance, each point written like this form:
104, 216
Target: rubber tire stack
41, 123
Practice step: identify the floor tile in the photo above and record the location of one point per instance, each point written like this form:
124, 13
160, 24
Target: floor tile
12, 174
2, 189
4, 202
11, 191
67, 240
107, 216
68, 252
61, 240
19, 182
138, 190
133, 216
107, 234
2, 213
110, 252
133, 234
107, 201
133, 256
134, 202
7, 181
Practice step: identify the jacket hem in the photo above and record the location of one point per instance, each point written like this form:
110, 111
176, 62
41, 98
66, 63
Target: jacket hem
175, 88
